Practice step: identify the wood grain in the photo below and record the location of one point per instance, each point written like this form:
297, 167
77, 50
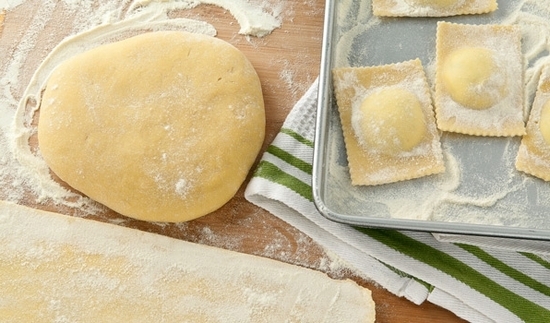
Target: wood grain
287, 62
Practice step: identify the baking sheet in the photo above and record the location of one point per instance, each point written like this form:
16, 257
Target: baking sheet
481, 192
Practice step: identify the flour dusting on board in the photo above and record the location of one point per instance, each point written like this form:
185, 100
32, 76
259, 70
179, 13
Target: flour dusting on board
22, 169
481, 184
59, 29
9, 4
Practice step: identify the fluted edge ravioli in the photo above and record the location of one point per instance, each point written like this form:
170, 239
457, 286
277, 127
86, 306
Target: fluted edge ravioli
533, 156
461, 113
372, 166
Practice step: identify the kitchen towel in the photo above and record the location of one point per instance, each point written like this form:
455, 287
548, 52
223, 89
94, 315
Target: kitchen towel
478, 282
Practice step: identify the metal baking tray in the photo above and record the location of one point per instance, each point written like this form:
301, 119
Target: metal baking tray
481, 192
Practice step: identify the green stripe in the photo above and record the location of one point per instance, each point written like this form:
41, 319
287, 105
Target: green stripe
273, 173
290, 159
537, 259
524, 309
297, 136
507, 270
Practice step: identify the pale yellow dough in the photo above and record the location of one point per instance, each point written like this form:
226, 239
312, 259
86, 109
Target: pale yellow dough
431, 8
56, 268
470, 76
434, 3
479, 79
544, 125
2, 17
534, 152
163, 126
388, 123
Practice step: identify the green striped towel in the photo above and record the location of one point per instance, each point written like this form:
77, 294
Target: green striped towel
482, 282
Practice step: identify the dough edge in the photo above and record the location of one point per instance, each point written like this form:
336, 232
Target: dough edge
147, 205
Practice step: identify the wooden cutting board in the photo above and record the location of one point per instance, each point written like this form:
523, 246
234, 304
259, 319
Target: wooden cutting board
287, 62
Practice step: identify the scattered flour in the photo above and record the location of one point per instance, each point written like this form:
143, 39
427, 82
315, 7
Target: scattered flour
117, 274
92, 25
86, 24
10, 4
481, 184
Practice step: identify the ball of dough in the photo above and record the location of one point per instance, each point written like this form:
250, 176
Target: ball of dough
163, 126
473, 78
389, 121
544, 124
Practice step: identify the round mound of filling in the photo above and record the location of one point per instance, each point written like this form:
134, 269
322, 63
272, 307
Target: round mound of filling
473, 77
389, 121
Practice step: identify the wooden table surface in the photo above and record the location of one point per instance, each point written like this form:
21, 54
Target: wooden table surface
287, 62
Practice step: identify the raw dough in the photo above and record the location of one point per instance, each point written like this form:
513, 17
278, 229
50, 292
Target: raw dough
2, 17
404, 148
534, 152
435, 3
431, 8
471, 76
544, 125
56, 268
479, 79
389, 121
163, 126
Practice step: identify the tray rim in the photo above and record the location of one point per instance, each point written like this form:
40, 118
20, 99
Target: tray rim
325, 99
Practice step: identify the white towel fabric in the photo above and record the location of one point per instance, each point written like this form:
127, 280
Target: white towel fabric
541, 248
482, 282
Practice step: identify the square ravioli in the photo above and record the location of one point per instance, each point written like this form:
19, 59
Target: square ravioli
431, 8
534, 152
388, 123
479, 79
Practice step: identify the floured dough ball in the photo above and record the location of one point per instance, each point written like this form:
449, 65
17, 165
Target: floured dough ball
389, 121
473, 77
163, 126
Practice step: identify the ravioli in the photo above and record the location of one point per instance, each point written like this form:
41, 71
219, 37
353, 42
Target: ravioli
431, 8
479, 79
534, 152
388, 123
